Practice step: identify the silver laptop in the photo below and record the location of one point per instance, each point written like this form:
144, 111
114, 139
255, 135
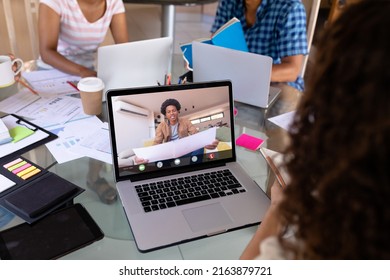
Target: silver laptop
193, 193
139, 63
250, 73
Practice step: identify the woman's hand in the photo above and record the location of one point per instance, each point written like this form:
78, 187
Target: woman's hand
86, 72
14, 67
276, 193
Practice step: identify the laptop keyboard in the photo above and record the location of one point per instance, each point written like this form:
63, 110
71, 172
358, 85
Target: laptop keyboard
180, 191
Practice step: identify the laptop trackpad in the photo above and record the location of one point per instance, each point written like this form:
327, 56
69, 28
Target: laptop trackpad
206, 217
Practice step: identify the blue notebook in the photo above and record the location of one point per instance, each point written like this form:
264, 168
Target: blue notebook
230, 35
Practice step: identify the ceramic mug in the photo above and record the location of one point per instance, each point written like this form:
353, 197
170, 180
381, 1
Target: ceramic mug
7, 74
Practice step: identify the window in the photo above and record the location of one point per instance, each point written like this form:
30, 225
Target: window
208, 118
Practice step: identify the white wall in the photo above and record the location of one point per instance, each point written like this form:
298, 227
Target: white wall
131, 130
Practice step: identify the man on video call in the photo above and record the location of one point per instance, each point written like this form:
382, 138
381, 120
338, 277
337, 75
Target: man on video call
174, 128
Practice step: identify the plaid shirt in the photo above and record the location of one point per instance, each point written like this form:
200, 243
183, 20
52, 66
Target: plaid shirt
279, 30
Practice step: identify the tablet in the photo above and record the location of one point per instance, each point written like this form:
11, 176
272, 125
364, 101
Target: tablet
56, 235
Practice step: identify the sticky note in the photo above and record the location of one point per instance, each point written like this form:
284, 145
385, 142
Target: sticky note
249, 142
7, 165
25, 171
19, 133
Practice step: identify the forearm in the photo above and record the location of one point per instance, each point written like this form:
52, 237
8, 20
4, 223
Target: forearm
288, 70
268, 227
61, 63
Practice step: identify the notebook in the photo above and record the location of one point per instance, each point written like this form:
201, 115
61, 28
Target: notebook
230, 35
145, 63
193, 194
250, 73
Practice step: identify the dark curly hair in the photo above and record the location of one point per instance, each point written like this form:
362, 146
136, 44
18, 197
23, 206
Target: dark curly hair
339, 154
168, 102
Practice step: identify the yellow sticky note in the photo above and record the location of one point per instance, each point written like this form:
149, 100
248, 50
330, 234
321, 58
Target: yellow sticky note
20, 132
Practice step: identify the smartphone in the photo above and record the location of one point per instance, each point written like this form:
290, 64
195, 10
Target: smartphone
56, 235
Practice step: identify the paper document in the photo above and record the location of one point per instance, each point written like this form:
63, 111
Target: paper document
5, 137
96, 145
5, 183
18, 101
12, 122
178, 148
284, 120
70, 135
51, 82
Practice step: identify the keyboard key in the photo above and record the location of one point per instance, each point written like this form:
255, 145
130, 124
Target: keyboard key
192, 200
234, 186
171, 204
214, 195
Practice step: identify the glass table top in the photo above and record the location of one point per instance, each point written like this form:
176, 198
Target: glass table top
111, 217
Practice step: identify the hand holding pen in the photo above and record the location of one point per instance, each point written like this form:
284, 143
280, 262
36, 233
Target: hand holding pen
273, 167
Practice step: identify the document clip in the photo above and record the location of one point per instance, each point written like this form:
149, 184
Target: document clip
27, 125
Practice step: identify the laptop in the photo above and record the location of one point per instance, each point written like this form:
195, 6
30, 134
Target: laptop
184, 192
250, 73
145, 63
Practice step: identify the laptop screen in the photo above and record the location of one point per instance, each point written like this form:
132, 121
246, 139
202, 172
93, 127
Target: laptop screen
164, 130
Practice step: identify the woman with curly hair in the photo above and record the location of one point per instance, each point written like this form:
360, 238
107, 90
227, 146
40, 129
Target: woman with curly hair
335, 206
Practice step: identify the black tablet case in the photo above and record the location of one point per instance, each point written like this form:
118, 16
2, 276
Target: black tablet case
34, 198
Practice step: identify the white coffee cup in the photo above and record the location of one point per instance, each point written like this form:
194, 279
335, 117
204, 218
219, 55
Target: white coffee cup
91, 92
7, 74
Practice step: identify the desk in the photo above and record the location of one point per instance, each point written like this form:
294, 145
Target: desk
119, 243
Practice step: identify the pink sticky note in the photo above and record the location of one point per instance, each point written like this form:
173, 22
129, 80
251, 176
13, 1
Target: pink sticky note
249, 142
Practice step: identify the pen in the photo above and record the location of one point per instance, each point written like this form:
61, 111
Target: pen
72, 85
274, 168
27, 86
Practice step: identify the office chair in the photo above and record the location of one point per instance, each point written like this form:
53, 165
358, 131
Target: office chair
312, 8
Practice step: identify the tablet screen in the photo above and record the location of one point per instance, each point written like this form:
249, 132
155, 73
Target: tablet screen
55, 235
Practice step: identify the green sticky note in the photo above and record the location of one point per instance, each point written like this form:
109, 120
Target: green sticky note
20, 132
